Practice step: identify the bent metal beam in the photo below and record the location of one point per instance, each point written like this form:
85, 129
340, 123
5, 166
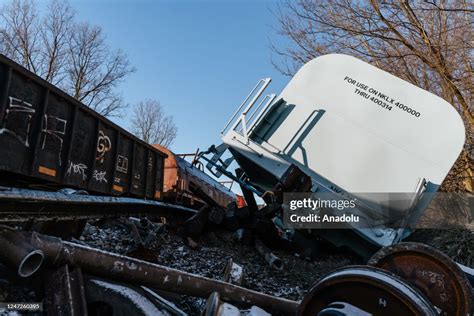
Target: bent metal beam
129, 270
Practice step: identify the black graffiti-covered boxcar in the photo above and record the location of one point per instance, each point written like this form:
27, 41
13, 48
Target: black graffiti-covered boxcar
49, 137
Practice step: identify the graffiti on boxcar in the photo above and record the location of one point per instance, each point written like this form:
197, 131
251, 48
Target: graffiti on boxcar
122, 164
150, 163
99, 176
104, 145
22, 113
77, 168
54, 129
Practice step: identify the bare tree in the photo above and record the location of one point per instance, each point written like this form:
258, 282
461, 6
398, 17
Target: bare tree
72, 55
429, 43
55, 34
20, 40
151, 124
94, 71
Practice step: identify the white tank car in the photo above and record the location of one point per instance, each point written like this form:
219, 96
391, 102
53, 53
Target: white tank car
355, 130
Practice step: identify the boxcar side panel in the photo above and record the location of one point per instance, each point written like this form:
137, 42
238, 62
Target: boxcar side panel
123, 167
82, 144
150, 174
22, 103
139, 170
102, 172
159, 177
51, 147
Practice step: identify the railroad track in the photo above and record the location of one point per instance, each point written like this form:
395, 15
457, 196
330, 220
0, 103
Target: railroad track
21, 205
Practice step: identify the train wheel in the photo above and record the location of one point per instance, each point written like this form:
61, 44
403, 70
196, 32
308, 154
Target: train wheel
363, 290
431, 271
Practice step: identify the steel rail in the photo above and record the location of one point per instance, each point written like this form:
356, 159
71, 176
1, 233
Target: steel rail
25, 204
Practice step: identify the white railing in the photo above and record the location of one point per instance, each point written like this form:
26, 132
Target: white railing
242, 118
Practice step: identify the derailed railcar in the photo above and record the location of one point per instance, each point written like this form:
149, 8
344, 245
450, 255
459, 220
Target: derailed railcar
48, 137
180, 175
344, 130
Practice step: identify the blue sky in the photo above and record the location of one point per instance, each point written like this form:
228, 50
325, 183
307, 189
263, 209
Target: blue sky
198, 58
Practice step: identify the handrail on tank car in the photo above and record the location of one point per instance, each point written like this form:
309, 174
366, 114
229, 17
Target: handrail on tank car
269, 100
256, 92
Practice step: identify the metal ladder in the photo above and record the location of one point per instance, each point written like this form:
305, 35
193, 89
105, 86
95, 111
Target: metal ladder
244, 119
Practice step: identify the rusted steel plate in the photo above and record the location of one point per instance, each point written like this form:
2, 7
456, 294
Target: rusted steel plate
431, 271
368, 290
